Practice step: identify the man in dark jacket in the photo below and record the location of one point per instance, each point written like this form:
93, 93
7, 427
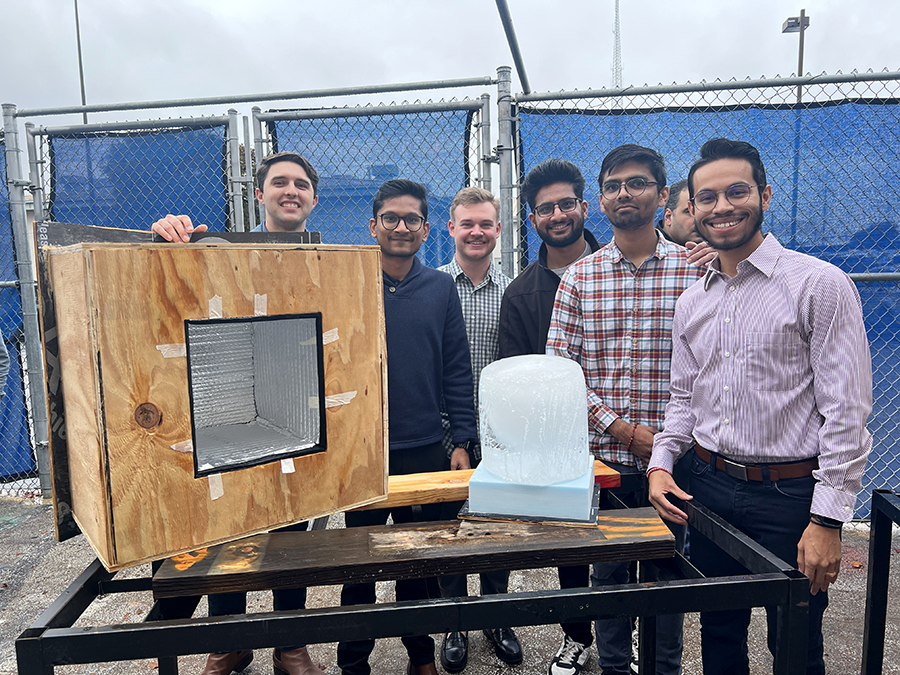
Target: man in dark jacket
427, 358
554, 192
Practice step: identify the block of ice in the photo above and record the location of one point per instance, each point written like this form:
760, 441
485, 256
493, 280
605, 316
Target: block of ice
533, 412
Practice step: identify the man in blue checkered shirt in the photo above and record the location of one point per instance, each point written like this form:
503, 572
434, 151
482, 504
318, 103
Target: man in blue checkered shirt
475, 226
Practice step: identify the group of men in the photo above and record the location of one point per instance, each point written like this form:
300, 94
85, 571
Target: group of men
762, 349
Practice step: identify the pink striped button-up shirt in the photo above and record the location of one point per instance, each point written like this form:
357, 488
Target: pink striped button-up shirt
773, 365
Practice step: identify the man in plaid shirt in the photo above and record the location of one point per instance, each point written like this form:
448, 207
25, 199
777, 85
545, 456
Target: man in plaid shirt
613, 315
475, 225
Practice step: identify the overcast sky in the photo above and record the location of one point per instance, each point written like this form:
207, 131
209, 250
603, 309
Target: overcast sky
165, 49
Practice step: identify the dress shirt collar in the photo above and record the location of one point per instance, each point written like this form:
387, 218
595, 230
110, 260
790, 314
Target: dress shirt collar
764, 258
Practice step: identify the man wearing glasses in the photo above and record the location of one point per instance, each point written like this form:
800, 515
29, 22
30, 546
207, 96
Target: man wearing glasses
613, 315
428, 360
554, 191
771, 383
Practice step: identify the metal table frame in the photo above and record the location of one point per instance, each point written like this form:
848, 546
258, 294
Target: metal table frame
671, 585
885, 513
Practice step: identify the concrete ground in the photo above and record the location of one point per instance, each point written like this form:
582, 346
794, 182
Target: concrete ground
35, 569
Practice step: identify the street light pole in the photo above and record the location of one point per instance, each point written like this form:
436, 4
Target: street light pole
81, 65
798, 24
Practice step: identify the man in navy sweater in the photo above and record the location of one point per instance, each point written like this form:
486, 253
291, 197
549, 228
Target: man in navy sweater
428, 358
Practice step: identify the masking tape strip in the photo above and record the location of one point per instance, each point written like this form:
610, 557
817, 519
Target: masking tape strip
334, 400
172, 351
215, 307
260, 305
186, 447
287, 465
216, 489
328, 337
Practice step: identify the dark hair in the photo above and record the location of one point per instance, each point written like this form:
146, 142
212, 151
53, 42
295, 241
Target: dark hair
399, 187
635, 153
723, 148
548, 172
674, 193
262, 169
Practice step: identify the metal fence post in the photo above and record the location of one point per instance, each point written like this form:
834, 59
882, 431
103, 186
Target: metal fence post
485, 161
508, 211
234, 173
34, 173
247, 175
34, 360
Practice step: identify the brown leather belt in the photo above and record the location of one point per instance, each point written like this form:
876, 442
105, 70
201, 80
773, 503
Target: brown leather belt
755, 471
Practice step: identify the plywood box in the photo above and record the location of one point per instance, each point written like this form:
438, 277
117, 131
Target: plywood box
274, 354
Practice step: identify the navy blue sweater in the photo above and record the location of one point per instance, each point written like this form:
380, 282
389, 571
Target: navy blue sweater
427, 357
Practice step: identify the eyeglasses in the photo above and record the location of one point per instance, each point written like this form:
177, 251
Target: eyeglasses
390, 221
633, 186
736, 194
565, 205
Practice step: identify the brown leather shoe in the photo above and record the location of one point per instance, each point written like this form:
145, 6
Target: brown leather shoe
427, 669
225, 664
294, 662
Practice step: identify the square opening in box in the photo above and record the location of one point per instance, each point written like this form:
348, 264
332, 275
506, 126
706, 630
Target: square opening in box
257, 390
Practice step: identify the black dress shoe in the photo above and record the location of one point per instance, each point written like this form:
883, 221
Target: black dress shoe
506, 645
454, 652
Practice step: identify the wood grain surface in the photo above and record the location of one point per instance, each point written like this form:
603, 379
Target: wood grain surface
453, 486
137, 297
323, 557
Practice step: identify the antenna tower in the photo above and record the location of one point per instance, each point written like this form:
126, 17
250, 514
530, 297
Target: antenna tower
617, 53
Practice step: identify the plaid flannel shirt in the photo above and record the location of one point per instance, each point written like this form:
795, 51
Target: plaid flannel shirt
616, 322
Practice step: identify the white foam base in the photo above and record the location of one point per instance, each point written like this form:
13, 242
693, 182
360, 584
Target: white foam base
566, 500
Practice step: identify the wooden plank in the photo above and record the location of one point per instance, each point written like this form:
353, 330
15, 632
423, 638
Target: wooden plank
453, 486
294, 559
86, 461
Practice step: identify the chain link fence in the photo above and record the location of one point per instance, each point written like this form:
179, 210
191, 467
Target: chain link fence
355, 150
18, 465
833, 161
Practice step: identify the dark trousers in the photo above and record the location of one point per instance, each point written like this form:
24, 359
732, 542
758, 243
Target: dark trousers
455, 585
283, 599
353, 657
775, 516
614, 634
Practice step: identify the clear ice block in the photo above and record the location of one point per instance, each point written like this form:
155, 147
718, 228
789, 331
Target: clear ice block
533, 412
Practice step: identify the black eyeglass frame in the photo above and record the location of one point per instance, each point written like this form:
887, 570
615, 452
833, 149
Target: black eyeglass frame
552, 207
411, 228
725, 192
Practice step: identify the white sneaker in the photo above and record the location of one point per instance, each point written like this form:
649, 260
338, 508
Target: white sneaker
635, 654
570, 658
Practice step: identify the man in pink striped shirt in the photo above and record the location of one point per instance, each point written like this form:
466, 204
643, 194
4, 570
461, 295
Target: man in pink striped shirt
771, 382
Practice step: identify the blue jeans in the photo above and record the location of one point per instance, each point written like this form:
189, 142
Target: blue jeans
773, 514
614, 635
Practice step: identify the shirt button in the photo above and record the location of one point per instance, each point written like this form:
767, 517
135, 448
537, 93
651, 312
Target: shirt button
727, 319
726, 387
727, 421
392, 289
731, 288
727, 354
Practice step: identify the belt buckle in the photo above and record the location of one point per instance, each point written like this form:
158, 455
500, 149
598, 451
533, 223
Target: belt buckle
735, 470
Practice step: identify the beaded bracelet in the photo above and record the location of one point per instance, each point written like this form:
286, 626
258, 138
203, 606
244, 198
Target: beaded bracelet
631, 441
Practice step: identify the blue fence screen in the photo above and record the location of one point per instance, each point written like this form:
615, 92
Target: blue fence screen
16, 457
835, 178
355, 155
130, 180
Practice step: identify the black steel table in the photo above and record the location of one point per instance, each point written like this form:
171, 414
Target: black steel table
885, 513
667, 585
